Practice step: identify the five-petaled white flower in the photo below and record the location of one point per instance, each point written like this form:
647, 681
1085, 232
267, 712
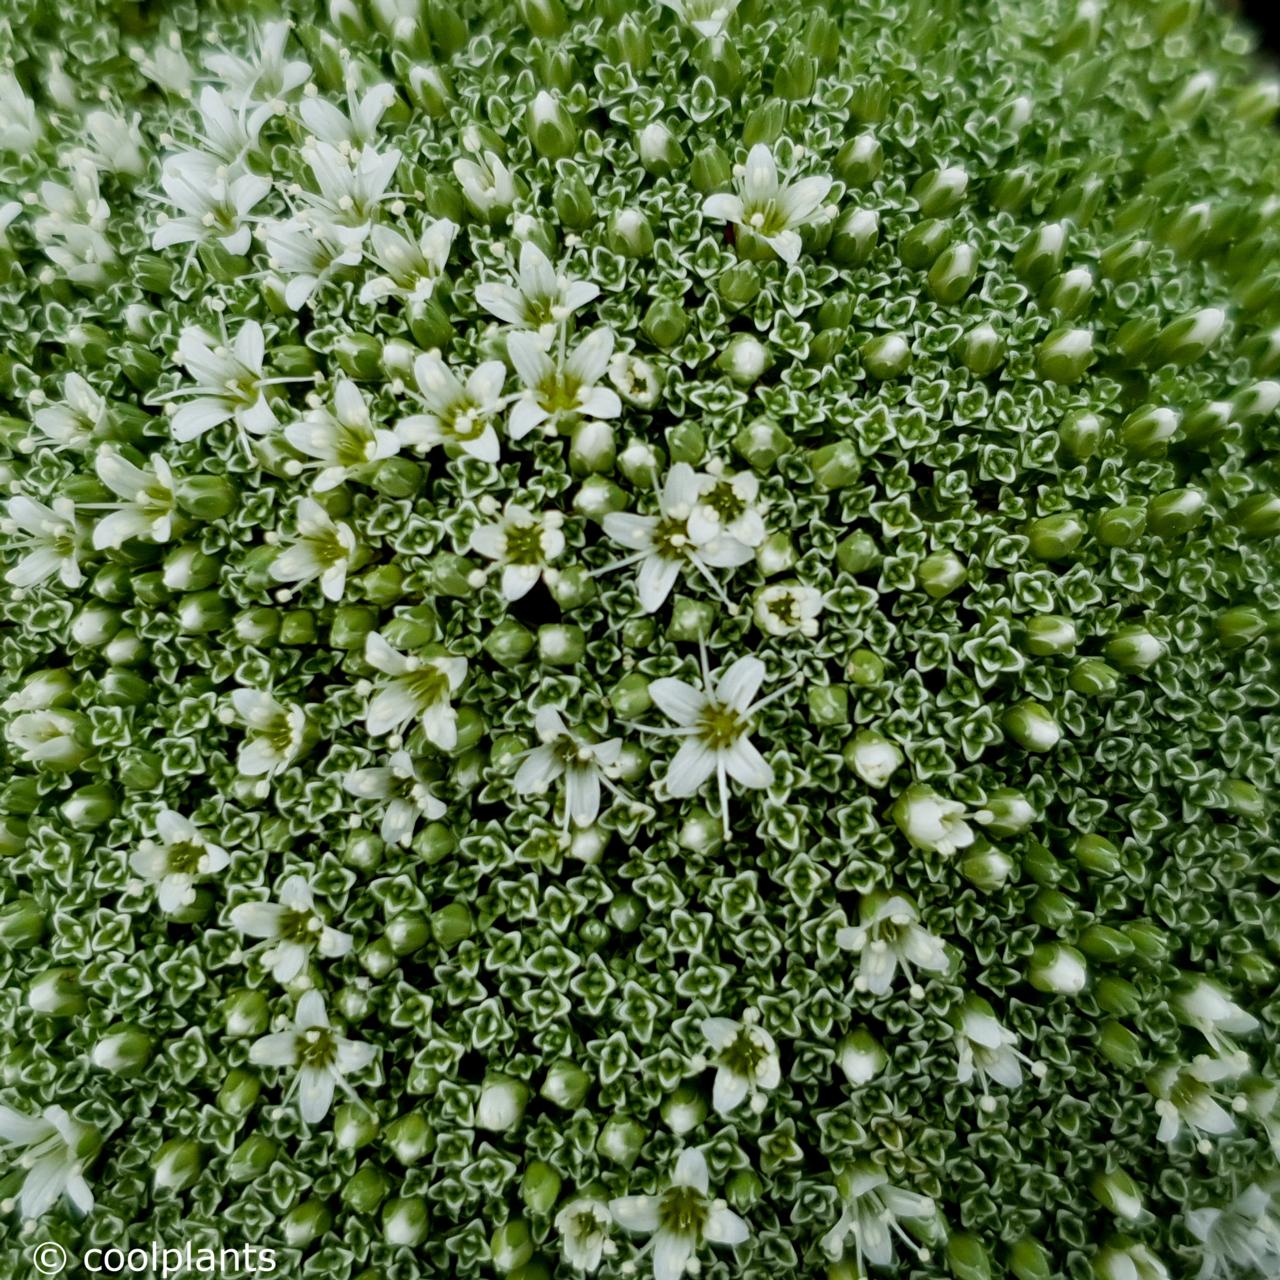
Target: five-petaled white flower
665, 544
358, 125
768, 207
788, 609
229, 383
1241, 1238
681, 1219
400, 784
870, 1206
148, 502
523, 543
307, 253
51, 1148
211, 204
888, 936
584, 1226
49, 535
77, 419
459, 415
323, 1058
1185, 1095
175, 861
746, 1060
987, 1049
293, 927
714, 722
351, 185
275, 732
560, 389
728, 503
418, 688
565, 753
413, 267
323, 549
707, 17
1205, 1005
264, 76
540, 299
931, 822
343, 441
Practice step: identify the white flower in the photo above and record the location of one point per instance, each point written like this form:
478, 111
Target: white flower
49, 535
229, 383
986, 1050
564, 753
262, 78
323, 1059
323, 549
51, 1149
228, 134
523, 543
211, 205
148, 500
788, 609
1132, 1262
73, 234
459, 415
77, 419
584, 1226
714, 722
419, 688
349, 192
167, 67
930, 822
342, 442
727, 505
870, 1208
1204, 1004
413, 267
1185, 1095
275, 733
51, 736
406, 793
681, 1219
560, 388
635, 380
539, 299
487, 183
307, 254
767, 207
664, 544
746, 1059
874, 759
19, 123
180, 858
708, 18
358, 127
1240, 1239
888, 936
293, 927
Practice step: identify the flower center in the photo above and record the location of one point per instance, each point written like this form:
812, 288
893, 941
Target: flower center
316, 1048
683, 1211
524, 544
720, 727
426, 686
184, 857
743, 1054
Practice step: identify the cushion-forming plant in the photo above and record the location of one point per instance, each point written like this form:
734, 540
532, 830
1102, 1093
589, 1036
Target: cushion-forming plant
640, 638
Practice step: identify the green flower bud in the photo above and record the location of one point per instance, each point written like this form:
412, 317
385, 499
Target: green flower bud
1175, 512
924, 242
1259, 515
1057, 969
366, 1189
1032, 727
687, 442
21, 923
88, 808
1012, 189
1191, 336
246, 1013
1097, 854
739, 285
765, 123
1065, 355
1041, 253
854, 237
451, 925
409, 1138
1068, 293
592, 448
1253, 404
1121, 1047
549, 127
1118, 996
660, 153
56, 993
952, 275
761, 443
1006, 812
835, 466
187, 568
982, 350
665, 322
509, 643
940, 192
1094, 678
860, 160
886, 356
691, 619
987, 870
252, 1158
298, 627
545, 18
941, 573
620, 1141
305, 1223
203, 612
1120, 526
967, 1258
566, 1084
239, 1093
684, 1110
630, 234
561, 645
1148, 430
828, 705
744, 359
1052, 909
354, 1126
1055, 537
1101, 942
511, 1246
794, 76
1029, 1260
539, 1188
1133, 649
573, 202
1050, 634
176, 1165
866, 668
857, 553
94, 625
630, 696
1125, 259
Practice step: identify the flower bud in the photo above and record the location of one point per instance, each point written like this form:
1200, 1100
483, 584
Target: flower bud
1259, 515
1069, 293
1032, 727
1148, 430
1050, 634
941, 573
405, 1221
761, 443
56, 993
246, 1013
952, 275
511, 1246
1057, 969
660, 153
502, 1103
967, 1257
1120, 526
573, 202
924, 242
866, 668
1133, 649
409, 1138
828, 705
886, 356
794, 76
854, 237
176, 1166
860, 160
835, 466
1029, 1260
1189, 337
1041, 253
1006, 813
1175, 512
88, 808
620, 1141
630, 234
665, 322
252, 1158
592, 448
366, 1189
561, 645
305, 1223
987, 870
738, 285
1056, 536
861, 1057
566, 1084
238, 1094
1065, 355
981, 349
549, 127
691, 619
744, 359
1120, 1046
21, 923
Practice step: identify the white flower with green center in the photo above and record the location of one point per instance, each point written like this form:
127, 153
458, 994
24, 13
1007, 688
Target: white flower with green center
986, 1049
768, 207
211, 204
228, 383
870, 1209
680, 1220
1239, 1239
746, 1060
584, 1226
50, 1150
1186, 1095
562, 388
227, 133
889, 937
405, 792
413, 267
49, 538
459, 414
52, 737
1205, 1005
728, 504
635, 379
293, 928
266, 75
714, 722
323, 549
664, 545
149, 500
931, 822
351, 184
358, 125
524, 543
540, 299
75, 421
275, 732
417, 689
708, 18
177, 860
486, 183
342, 441
322, 1059
307, 254
788, 609
566, 753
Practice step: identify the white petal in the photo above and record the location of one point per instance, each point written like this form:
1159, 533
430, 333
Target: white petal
729, 1092
691, 1170
671, 1254
636, 1213
258, 919
654, 581
277, 1050
738, 684
315, 1093
677, 700
725, 1227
